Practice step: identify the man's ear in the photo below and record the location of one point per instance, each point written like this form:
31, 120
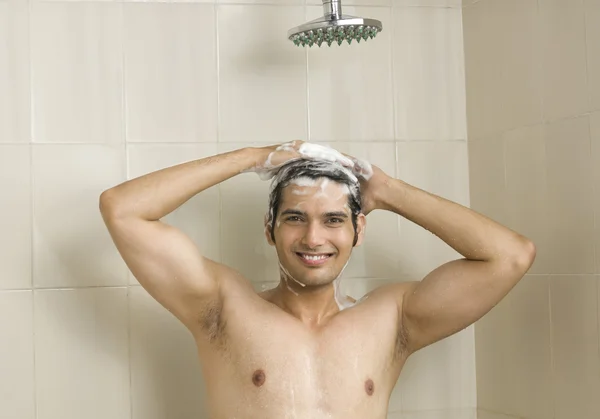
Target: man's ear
268, 228
361, 225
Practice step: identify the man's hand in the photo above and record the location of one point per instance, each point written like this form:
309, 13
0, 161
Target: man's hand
372, 188
373, 182
271, 158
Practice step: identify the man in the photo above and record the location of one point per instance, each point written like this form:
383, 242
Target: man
301, 350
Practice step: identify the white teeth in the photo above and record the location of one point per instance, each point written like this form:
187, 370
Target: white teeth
314, 257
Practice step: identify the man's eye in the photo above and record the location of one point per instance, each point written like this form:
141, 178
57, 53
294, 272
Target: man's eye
293, 218
336, 220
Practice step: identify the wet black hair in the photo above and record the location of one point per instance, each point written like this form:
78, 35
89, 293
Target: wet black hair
314, 169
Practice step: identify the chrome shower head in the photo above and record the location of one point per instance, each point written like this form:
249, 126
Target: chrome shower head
334, 27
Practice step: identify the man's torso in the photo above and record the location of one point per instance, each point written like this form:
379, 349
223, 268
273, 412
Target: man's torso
264, 363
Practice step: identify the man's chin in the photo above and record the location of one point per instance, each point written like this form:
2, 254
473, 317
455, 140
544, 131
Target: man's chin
311, 277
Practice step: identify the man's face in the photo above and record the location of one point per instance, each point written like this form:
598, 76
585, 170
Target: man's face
313, 231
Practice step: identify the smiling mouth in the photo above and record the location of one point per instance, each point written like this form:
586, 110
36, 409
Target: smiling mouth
314, 259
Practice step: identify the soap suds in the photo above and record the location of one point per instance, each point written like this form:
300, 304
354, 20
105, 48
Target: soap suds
311, 151
341, 302
303, 181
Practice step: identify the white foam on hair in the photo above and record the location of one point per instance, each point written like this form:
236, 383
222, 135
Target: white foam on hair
345, 191
327, 167
320, 152
303, 181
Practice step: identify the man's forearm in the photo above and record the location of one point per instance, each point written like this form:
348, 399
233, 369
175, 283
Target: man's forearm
471, 234
156, 194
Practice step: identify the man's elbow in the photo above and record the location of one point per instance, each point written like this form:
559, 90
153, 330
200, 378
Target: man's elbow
523, 256
107, 204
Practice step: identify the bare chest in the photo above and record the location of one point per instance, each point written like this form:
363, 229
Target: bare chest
270, 360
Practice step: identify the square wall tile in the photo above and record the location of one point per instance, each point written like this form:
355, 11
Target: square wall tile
244, 205
502, 66
487, 186
595, 133
527, 190
563, 46
493, 352
377, 256
440, 168
76, 54
81, 354
199, 217
262, 75
16, 357
171, 73
15, 223
441, 376
350, 86
517, 58
592, 25
71, 245
513, 352
570, 196
166, 378
14, 72
529, 358
429, 74
575, 344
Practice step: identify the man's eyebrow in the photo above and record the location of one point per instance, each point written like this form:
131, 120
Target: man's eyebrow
340, 214
293, 211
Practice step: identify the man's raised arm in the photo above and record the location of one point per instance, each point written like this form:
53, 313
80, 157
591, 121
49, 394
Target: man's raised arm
163, 259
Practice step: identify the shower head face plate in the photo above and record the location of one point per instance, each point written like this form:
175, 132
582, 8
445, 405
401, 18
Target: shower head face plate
331, 30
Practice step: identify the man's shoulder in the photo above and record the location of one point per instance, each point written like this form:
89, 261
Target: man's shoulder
391, 293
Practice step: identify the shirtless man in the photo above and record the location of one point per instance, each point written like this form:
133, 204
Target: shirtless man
301, 350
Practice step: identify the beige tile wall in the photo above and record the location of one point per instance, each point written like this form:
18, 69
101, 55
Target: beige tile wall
534, 155
94, 93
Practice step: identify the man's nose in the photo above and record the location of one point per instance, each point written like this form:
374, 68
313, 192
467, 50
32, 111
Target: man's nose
314, 235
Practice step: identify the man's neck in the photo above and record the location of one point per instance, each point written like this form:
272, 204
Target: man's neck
313, 306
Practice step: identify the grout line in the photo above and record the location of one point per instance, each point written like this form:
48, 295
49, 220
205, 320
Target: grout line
218, 69
124, 114
217, 57
393, 72
65, 288
594, 209
124, 101
597, 280
552, 360
129, 363
260, 142
308, 127
540, 57
587, 63
32, 205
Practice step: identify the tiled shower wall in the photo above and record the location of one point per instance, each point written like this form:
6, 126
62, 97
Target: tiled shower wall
533, 108
94, 93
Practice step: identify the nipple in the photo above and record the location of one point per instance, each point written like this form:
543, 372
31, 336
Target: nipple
258, 378
369, 387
